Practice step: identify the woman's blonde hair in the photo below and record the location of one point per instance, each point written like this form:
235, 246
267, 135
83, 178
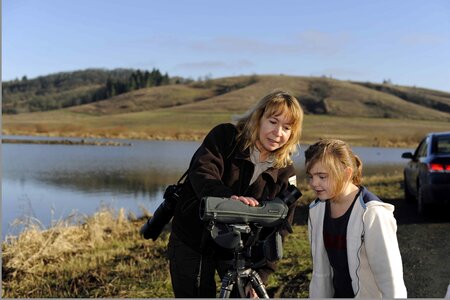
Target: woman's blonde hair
335, 155
272, 104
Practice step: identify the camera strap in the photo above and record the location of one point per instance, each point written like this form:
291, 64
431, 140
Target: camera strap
182, 177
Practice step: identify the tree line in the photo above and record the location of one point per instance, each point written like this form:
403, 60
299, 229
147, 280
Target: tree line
137, 80
68, 89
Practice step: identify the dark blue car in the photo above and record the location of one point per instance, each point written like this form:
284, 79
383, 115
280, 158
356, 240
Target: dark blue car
427, 174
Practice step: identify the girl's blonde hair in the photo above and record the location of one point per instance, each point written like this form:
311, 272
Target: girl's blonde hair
335, 155
274, 103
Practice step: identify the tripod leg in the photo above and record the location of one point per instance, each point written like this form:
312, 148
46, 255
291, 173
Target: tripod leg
258, 285
227, 285
240, 285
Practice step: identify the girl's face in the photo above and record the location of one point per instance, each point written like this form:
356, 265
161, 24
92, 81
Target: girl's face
274, 132
319, 180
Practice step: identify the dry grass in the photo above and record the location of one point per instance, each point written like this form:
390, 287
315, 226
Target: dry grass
145, 100
103, 256
181, 125
372, 132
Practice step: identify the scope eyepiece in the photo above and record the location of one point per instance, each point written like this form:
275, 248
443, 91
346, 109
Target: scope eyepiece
290, 195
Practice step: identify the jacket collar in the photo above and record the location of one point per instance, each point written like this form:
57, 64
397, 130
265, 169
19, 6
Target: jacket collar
245, 155
365, 197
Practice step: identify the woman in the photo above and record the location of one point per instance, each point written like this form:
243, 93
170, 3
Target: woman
352, 232
248, 162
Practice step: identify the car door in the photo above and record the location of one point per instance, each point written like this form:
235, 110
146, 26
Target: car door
416, 164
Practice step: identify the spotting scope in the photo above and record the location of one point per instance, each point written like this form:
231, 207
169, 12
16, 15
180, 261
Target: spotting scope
267, 214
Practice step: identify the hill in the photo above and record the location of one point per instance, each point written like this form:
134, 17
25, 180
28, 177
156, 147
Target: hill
363, 113
321, 96
317, 96
56, 90
66, 89
233, 94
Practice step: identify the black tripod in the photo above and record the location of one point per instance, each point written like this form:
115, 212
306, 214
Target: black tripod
241, 275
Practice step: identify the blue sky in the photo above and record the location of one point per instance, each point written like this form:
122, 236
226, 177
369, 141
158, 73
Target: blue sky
407, 42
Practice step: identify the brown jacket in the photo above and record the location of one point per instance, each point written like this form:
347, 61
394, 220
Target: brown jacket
220, 168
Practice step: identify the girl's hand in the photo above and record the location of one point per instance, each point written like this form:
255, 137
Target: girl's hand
250, 201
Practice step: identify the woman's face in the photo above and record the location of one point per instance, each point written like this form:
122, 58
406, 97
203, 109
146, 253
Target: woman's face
319, 180
274, 132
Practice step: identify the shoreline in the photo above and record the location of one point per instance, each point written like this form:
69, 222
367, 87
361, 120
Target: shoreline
194, 137
66, 142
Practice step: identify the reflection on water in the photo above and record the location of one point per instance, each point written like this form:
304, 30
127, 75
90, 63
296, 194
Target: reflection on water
49, 182
141, 182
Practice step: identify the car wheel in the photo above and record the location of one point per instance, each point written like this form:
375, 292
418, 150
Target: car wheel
408, 196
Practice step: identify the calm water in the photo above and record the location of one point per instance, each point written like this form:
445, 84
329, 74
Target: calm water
50, 182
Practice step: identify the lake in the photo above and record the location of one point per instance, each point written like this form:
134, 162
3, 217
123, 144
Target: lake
50, 182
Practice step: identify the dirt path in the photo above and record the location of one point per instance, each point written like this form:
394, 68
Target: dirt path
425, 245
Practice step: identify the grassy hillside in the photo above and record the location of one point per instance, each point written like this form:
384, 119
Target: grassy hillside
317, 95
433, 99
364, 114
146, 100
335, 97
67, 89
57, 90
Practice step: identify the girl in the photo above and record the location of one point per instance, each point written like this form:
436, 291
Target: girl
248, 162
352, 232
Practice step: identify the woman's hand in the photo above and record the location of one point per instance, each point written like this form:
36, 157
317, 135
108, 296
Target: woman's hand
250, 201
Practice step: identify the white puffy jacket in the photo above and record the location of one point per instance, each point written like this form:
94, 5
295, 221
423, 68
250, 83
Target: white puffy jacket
374, 258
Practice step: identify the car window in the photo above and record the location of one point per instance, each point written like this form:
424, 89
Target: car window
443, 145
422, 149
